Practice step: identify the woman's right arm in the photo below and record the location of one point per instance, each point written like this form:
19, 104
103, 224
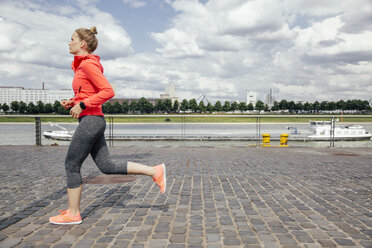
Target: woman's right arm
66, 104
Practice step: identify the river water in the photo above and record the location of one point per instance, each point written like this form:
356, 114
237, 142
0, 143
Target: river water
193, 134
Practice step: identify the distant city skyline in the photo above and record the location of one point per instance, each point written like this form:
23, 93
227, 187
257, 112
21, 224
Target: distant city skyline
307, 50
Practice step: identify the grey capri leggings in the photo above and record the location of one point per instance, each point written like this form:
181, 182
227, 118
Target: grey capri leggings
89, 138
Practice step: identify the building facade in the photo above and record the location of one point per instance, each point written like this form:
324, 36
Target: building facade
251, 97
170, 93
10, 94
270, 98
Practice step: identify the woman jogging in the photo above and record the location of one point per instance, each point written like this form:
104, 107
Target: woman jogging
91, 90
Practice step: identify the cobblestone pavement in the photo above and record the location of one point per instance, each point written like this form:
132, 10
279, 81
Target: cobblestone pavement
216, 197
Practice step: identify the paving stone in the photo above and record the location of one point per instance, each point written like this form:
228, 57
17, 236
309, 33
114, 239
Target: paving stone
213, 238
176, 246
231, 242
344, 242
158, 243
85, 243
194, 240
177, 238
11, 242
327, 243
366, 243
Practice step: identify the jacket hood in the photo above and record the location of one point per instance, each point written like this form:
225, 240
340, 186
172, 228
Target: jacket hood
78, 59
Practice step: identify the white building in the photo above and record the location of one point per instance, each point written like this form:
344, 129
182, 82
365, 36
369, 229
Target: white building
170, 93
10, 94
270, 99
251, 97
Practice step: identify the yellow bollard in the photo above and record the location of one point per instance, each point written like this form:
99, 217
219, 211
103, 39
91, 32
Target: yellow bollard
284, 139
265, 139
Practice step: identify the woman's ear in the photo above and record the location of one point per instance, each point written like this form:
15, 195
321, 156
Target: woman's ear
83, 45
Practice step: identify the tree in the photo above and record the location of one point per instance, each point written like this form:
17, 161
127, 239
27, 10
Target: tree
201, 107
141, 105
217, 106
308, 106
266, 108
299, 106
341, 105
283, 105
234, 106
56, 106
260, 105
168, 105
275, 107
133, 106
332, 106
159, 105
107, 108
116, 107
48, 108
242, 106
210, 107
22, 107
31, 108
316, 106
291, 106
14, 106
176, 106
184, 105
144, 106
40, 107
250, 107
125, 107
5, 107
324, 105
226, 106
193, 105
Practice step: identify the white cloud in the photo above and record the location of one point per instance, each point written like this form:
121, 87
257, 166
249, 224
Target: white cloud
257, 43
32, 36
135, 3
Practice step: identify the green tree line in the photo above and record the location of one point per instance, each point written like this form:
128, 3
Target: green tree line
144, 106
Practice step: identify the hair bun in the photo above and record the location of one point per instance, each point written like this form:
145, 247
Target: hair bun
94, 30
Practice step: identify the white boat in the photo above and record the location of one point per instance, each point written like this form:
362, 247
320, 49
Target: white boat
322, 131
64, 134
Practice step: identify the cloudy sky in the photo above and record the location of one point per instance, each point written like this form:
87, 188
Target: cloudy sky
303, 50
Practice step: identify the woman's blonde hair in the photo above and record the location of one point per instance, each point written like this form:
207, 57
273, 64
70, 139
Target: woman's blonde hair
89, 36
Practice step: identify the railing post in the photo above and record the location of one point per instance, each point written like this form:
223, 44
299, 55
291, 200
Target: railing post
111, 130
258, 132
38, 130
332, 133
183, 130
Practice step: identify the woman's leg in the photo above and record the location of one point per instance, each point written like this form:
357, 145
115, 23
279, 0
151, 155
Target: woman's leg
88, 131
74, 197
101, 157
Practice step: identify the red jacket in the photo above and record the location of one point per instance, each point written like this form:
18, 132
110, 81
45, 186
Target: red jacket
90, 85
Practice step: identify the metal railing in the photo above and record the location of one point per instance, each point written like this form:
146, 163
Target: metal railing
110, 119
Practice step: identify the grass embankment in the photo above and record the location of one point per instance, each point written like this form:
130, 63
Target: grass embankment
189, 119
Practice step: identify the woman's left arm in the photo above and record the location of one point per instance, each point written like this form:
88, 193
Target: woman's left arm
95, 75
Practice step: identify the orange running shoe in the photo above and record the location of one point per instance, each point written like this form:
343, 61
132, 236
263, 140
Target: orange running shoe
65, 218
161, 177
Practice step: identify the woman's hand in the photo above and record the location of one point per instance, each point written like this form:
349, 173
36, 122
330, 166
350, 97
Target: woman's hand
66, 104
76, 111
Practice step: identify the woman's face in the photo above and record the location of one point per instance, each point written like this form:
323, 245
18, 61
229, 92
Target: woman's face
75, 45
